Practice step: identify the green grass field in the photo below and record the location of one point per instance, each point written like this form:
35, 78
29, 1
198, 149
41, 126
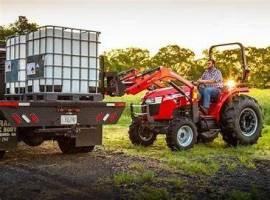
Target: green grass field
203, 158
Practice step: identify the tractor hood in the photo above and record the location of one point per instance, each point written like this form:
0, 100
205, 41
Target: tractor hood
165, 92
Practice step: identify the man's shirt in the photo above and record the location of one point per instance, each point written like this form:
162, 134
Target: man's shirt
213, 74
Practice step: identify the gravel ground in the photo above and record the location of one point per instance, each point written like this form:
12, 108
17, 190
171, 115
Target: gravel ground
44, 173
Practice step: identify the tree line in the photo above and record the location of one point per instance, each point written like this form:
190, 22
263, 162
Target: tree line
181, 60
184, 62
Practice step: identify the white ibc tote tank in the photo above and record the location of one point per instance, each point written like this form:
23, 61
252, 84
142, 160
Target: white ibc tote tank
15, 65
53, 59
70, 62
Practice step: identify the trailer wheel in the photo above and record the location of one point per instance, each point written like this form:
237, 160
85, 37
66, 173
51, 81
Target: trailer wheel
2, 153
29, 137
67, 146
182, 134
33, 141
241, 121
140, 135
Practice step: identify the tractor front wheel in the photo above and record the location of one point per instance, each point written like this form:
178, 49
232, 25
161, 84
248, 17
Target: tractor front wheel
182, 134
67, 146
2, 153
140, 135
241, 121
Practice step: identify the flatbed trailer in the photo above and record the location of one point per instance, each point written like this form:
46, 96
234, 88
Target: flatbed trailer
74, 120
78, 124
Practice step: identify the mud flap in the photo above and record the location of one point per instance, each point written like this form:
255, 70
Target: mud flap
89, 136
8, 135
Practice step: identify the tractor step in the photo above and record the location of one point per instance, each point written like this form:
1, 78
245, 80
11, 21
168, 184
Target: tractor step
207, 117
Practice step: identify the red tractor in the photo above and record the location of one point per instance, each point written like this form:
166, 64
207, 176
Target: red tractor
172, 107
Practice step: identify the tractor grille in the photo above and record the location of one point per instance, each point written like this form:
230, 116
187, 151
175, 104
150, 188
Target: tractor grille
153, 109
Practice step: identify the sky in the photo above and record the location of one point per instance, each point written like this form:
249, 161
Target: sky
151, 24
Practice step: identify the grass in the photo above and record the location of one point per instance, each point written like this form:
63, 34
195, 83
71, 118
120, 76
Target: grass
203, 158
240, 195
125, 117
152, 193
128, 178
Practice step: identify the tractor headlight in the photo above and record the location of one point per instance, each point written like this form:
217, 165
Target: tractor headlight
149, 101
230, 84
156, 100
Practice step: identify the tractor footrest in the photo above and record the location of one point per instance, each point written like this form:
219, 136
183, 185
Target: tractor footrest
207, 117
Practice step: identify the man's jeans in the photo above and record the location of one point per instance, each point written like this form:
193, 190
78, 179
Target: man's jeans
207, 93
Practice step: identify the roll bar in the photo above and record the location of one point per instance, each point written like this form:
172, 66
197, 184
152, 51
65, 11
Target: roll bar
243, 56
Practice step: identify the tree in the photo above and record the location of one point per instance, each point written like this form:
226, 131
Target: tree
229, 63
259, 64
171, 55
123, 59
181, 60
18, 27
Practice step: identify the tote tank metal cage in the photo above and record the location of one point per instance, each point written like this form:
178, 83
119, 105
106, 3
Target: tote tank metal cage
60, 61
15, 64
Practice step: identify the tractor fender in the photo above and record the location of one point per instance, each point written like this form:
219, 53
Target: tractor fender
226, 95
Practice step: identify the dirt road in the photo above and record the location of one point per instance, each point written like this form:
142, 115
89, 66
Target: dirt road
44, 173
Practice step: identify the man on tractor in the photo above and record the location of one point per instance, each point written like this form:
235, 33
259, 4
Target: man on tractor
176, 112
211, 83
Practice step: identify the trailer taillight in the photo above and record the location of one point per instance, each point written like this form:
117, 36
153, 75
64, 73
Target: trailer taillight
120, 104
116, 104
16, 118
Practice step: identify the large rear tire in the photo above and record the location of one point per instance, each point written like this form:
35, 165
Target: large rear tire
182, 134
140, 135
67, 146
2, 153
241, 121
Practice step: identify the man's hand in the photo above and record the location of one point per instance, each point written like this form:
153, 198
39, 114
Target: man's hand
195, 83
200, 81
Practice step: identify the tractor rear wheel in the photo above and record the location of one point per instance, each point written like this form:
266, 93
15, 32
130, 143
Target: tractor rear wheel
67, 146
182, 134
2, 153
140, 135
241, 121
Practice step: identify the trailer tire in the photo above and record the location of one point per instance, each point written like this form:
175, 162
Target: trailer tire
2, 153
33, 141
29, 137
67, 146
139, 135
182, 134
241, 121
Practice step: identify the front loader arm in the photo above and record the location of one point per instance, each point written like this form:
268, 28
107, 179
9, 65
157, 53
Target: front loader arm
133, 82
161, 74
